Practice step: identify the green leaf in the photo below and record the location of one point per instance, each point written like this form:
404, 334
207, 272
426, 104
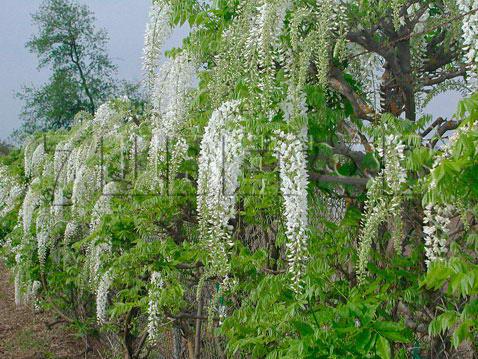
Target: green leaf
442, 323
370, 162
462, 333
392, 331
365, 340
303, 328
383, 348
437, 275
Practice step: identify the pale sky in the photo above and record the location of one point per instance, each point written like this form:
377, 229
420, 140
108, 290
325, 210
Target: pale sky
124, 20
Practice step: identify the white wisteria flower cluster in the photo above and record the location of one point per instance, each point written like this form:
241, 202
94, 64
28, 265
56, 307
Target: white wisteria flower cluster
171, 91
154, 313
42, 234
292, 161
30, 202
34, 160
384, 199
157, 153
436, 220
170, 101
31, 295
10, 191
95, 252
340, 27
470, 32
63, 151
60, 161
437, 215
106, 121
157, 31
103, 204
72, 231
36, 285
375, 213
102, 297
76, 166
392, 153
220, 161
325, 13
18, 280
86, 178
266, 27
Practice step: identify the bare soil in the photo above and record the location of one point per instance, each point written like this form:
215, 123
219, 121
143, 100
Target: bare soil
24, 334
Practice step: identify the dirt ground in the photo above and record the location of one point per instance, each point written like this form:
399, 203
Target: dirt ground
24, 334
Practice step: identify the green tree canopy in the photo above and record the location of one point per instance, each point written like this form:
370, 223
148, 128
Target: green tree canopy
68, 43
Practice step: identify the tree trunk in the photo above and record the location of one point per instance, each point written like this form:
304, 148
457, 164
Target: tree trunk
76, 60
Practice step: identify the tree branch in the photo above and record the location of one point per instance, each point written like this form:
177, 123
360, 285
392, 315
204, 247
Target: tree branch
356, 156
361, 108
430, 81
197, 336
444, 128
355, 181
76, 62
435, 123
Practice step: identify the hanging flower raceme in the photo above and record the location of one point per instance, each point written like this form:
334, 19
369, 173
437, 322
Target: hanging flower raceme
18, 280
60, 162
170, 98
262, 46
220, 163
34, 160
384, 199
88, 179
60, 172
325, 15
154, 313
86, 182
340, 27
157, 154
103, 205
59, 202
72, 232
164, 158
157, 30
265, 30
10, 191
106, 121
170, 104
30, 202
95, 252
43, 224
438, 212
27, 156
436, 220
292, 160
470, 32
33, 295
102, 297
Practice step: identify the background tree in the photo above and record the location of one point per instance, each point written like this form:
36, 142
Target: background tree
83, 75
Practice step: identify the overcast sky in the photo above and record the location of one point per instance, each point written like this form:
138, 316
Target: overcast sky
125, 22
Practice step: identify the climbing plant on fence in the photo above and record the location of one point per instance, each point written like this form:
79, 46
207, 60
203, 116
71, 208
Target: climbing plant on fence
280, 195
